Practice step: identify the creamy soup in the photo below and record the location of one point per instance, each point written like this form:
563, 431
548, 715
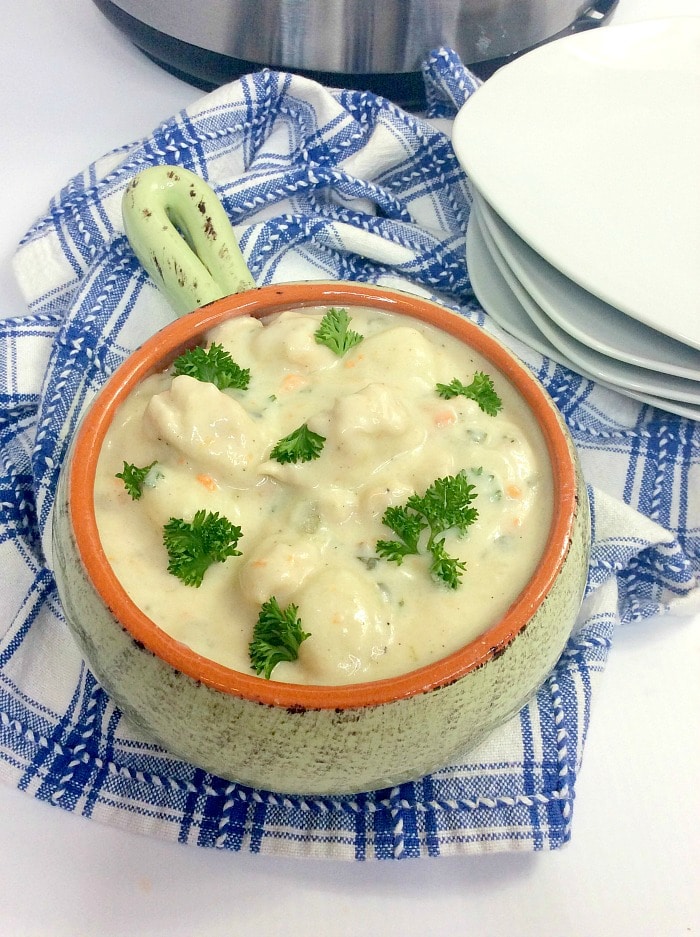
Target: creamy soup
310, 530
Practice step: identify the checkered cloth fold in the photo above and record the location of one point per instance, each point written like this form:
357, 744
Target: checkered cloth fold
318, 184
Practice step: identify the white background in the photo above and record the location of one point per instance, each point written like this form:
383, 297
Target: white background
71, 88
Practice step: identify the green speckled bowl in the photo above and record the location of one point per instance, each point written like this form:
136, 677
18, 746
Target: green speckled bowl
315, 739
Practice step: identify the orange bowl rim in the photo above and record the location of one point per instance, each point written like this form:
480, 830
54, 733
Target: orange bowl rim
157, 353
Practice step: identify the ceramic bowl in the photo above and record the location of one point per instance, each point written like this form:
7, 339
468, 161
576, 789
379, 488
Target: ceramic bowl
316, 739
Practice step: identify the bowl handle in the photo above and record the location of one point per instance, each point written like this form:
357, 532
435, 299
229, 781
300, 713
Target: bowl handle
181, 233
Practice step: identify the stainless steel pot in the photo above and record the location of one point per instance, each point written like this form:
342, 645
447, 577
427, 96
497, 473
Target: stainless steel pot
356, 43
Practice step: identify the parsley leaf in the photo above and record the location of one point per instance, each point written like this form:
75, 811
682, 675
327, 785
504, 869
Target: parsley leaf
193, 547
213, 365
302, 445
277, 636
408, 526
133, 477
446, 567
334, 332
481, 390
445, 505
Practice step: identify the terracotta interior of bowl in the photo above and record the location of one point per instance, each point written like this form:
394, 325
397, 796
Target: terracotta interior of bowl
157, 353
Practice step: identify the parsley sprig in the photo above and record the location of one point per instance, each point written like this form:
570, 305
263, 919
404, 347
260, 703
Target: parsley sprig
444, 506
302, 445
335, 333
213, 365
193, 546
277, 637
481, 390
133, 477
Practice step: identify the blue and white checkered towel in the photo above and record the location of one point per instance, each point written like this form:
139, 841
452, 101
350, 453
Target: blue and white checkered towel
318, 184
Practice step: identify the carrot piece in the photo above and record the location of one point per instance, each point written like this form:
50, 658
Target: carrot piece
293, 381
207, 481
514, 491
444, 418
353, 361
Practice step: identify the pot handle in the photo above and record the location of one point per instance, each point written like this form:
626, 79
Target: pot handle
180, 232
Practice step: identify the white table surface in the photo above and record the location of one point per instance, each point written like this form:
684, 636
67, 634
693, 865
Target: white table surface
71, 88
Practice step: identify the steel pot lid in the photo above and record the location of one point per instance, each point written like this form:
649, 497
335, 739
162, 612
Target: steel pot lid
358, 36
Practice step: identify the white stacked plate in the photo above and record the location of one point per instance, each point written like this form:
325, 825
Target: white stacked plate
584, 239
